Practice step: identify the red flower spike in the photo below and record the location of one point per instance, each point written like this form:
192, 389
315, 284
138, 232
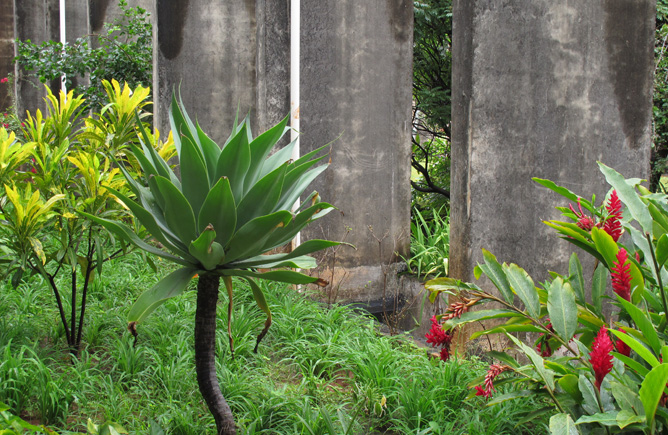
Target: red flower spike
622, 347
479, 391
621, 276
436, 335
600, 357
4, 80
445, 353
494, 371
613, 224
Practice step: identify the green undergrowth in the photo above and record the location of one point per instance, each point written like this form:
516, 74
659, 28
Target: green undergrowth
318, 371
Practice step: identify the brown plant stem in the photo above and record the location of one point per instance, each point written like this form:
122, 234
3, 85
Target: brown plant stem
205, 354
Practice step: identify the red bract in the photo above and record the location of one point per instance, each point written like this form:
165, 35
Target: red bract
621, 276
600, 357
436, 335
445, 353
585, 222
613, 224
4, 80
622, 347
493, 371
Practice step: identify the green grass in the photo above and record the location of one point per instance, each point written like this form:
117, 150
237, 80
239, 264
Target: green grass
318, 371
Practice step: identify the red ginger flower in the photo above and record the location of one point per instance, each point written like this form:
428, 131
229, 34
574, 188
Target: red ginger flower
622, 347
543, 345
438, 337
584, 222
621, 276
613, 224
4, 80
493, 371
600, 357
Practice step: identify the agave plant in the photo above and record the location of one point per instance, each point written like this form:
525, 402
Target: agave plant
229, 207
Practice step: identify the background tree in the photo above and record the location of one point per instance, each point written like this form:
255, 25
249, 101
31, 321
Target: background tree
432, 70
659, 159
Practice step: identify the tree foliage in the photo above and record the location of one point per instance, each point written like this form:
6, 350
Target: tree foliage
659, 159
124, 54
432, 70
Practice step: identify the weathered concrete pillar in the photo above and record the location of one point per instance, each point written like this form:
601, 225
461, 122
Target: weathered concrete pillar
542, 89
223, 57
38, 21
356, 77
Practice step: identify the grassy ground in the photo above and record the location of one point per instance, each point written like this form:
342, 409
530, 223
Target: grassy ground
318, 371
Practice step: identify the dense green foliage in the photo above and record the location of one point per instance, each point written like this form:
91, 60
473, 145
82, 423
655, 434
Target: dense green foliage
602, 370
432, 70
659, 163
314, 364
430, 243
124, 53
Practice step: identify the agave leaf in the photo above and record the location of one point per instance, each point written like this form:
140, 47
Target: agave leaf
125, 233
206, 250
259, 150
300, 262
284, 234
220, 211
262, 197
178, 123
305, 248
278, 158
210, 151
286, 276
147, 166
178, 211
292, 190
261, 302
234, 162
194, 178
250, 239
172, 285
148, 220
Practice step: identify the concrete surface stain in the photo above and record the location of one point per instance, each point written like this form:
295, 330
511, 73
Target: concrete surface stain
171, 23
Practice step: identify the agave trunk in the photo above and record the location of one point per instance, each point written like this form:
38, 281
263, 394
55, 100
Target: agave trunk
205, 354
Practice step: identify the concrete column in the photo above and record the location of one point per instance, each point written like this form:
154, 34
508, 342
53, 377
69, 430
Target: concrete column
207, 49
356, 77
38, 21
542, 89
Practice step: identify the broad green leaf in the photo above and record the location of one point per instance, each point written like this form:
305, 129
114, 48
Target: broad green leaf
546, 374
637, 346
493, 270
127, 234
172, 285
208, 252
194, 178
305, 248
626, 398
558, 189
651, 390
148, 220
562, 309
234, 162
588, 390
278, 158
210, 151
598, 285
659, 215
284, 234
38, 249
626, 417
507, 328
562, 424
292, 191
474, 316
524, 287
662, 250
250, 239
629, 197
576, 277
503, 357
603, 418
605, 245
511, 396
220, 211
259, 150
569, 383
262, 197
643, 323
178, 211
